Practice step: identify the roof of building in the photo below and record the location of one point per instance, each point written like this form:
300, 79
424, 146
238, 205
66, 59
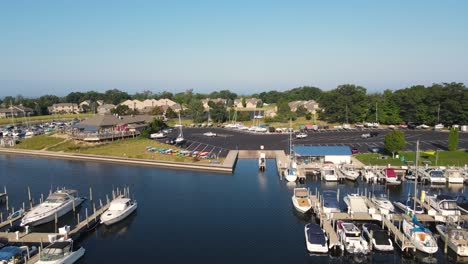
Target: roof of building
112, 120
64, 104
322, 150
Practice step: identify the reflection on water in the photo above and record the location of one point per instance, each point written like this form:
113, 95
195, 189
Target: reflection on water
183, 216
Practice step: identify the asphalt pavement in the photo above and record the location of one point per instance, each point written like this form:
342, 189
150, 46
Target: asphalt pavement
230, 139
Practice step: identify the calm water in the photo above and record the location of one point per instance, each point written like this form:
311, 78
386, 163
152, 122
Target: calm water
186, 216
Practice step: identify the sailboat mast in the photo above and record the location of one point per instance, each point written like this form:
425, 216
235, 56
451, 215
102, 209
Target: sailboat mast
376, 115
438, 115
416, 180
180, 127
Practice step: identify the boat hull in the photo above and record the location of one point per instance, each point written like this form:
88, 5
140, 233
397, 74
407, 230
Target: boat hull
314, 248
415, 239
461, 250
120, 217
301, 207
50, 216
69, 259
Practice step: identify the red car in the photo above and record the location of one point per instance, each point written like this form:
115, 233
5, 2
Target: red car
354, 151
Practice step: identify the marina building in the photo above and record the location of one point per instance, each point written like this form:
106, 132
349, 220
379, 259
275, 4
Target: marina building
334, 154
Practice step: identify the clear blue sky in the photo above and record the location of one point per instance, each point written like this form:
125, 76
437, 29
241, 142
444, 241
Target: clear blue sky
246, 46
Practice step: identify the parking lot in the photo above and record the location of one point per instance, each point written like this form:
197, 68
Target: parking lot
228, 139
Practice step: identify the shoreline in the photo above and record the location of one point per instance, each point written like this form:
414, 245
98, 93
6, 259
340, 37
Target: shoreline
226, 167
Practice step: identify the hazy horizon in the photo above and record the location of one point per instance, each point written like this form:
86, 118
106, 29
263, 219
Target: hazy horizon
51, 47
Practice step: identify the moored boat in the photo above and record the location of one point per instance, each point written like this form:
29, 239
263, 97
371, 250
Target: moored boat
444, 204
356, 203
382, 201
420, 236
301, 200
262, 161
316, 239
349, 172
369, 174
60, 252
328, 173
352, 239
330, 203
378, 237
57, 204
13, 254
407, 206
457, 239
454, 176
462, 203
389, 176
118, 210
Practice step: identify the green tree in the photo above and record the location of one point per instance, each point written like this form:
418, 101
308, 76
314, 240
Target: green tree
259, 104
121, 110
170, 113
301, 111
243, 116
116, 96
453, 139
308, 116
157, 110
156, 125
244, 103
196, 110
218, 112
394, 142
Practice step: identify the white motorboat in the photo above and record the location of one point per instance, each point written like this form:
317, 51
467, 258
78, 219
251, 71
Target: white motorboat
454, 176
328, 173
369, 174
457, 239
444, 204
352, 239
356, 203
262, 161
330, 202
316, 239
118, 210
420, 236
60, 252
349, 172
56, 204
431, 176
380, 239
301, 200
407, 206
389, 176
13, 254
382, 201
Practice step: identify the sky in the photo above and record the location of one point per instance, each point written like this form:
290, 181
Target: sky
55, 47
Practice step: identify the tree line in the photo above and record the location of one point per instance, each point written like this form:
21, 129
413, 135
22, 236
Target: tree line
446, 103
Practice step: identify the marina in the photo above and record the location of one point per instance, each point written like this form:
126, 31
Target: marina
262, 185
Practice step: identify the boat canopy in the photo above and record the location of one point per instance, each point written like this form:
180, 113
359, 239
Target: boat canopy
315, 235
9, 252
390, 173
118, 204
419, 227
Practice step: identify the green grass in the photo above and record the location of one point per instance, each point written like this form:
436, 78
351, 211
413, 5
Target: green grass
5, 121
128, 148
445, 158
38, 142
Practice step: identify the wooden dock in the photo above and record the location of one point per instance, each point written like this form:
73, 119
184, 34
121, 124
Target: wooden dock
281, 162
333, 239
399, 237
75, 232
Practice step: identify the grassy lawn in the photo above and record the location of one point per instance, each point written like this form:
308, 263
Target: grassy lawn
445, 158
128, 148
5, 121
38, 142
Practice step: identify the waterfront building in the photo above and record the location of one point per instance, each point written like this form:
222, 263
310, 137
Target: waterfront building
64, 108
16, 111
249, 102
335, 154
311, 106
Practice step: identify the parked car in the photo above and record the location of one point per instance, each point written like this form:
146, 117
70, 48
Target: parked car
366, 135
374, 149
354, 151
301, 135
158, 135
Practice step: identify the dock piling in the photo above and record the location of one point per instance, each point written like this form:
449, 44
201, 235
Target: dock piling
371, 238
90, 193
100, 203
78, 219
29, 198
94, 212
338, 195
86, 212
73, 205
446, 243
56, 223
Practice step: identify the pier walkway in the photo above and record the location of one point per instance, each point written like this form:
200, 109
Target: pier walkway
399, 237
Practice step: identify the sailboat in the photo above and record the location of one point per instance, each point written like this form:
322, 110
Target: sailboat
180, 138
438, 125
420, 236
291, 172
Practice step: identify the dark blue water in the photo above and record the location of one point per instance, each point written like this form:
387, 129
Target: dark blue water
186, 216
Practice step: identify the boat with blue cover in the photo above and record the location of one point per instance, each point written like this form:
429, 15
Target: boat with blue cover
316, 240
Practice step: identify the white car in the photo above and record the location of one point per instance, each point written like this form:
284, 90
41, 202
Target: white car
301, 135
158, 135
209, 134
